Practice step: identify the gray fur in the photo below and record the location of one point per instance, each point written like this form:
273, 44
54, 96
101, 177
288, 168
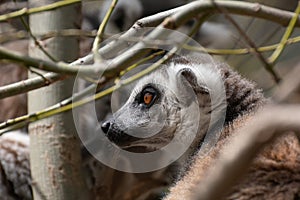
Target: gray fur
15, 179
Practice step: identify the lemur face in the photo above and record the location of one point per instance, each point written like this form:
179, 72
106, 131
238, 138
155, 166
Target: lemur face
164, 105
148, 118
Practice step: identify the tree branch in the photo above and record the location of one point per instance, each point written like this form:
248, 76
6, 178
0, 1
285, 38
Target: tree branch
241, 51
251, 43
28, 85
100, 32
26, 11
59, 67
273, 58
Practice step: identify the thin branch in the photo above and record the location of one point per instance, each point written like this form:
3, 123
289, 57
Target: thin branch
11, 6
252, 44
265, 40
47, 81
59, 67
71, 33
272, 59
26, 11
153, 55
241, 8
239, 38
9, 36
236, 157
241, 51
29, 84
27, 27
77, 32
100, 32
36, 82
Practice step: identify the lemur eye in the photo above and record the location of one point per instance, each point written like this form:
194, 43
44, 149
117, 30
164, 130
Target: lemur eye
148, 97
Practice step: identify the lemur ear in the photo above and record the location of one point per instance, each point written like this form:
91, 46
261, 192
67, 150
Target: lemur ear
188, 76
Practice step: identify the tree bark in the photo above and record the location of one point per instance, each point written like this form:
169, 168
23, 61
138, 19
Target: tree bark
55, 149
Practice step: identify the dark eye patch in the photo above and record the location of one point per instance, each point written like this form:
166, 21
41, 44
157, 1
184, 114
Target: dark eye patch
147, 96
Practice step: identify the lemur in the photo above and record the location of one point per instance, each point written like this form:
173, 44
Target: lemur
274, 173
183, 90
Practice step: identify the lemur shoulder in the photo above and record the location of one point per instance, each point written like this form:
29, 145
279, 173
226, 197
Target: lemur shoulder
273, 174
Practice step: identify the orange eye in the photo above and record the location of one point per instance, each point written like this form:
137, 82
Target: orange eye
148, 98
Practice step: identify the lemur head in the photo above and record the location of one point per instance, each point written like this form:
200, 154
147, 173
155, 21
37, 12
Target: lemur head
174, 102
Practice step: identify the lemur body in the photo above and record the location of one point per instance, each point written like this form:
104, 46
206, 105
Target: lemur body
273, 174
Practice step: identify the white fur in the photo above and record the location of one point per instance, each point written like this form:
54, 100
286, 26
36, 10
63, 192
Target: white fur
17, 136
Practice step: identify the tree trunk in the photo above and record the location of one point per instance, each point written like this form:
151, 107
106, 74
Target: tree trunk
55, 149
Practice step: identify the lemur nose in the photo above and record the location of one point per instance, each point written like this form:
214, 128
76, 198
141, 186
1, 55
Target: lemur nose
105, 126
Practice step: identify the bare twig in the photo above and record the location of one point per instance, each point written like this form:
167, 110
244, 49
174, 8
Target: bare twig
241, 8
264, 41
238, 40
9, 36
29, 84
77, 32
71, 33
42, 64
36, 40
10, 6
289, 30
241, 51
100, 32
252, 44
26, 11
